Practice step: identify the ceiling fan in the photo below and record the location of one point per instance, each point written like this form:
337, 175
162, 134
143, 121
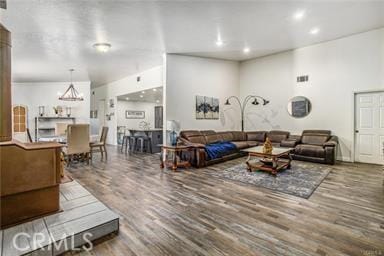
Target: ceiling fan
3, 4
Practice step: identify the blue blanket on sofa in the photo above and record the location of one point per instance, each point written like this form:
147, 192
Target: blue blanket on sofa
219, 149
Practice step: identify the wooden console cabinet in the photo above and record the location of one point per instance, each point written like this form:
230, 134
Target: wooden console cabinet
29, 181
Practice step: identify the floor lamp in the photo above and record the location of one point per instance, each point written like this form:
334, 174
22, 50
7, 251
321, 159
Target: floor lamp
244, 104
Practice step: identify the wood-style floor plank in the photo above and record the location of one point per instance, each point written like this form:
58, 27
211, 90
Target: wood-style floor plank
193, 213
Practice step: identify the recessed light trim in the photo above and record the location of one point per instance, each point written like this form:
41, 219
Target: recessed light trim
102, 47
314, 31
219, 43
299, 15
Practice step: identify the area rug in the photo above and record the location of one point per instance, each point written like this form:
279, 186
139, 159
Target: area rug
301, 180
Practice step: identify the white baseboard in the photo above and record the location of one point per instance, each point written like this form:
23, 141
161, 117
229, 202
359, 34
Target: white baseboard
344, 159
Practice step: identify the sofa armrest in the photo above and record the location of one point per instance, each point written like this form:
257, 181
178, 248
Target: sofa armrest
332, 142
289, 143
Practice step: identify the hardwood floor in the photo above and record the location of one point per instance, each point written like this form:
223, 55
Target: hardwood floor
192, 213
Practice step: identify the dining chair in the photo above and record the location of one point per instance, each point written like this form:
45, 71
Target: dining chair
101, 144
60, 129
77, 142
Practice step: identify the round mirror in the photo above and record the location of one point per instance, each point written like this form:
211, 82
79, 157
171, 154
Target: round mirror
299, 106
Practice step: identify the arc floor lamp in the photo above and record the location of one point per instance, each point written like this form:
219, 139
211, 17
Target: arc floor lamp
244, 104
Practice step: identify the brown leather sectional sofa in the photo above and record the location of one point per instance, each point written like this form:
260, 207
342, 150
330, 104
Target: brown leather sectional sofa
312, 145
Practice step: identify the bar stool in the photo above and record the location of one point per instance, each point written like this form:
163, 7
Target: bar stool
145, 142
127, 142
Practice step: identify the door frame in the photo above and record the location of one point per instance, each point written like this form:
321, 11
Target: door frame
354, 93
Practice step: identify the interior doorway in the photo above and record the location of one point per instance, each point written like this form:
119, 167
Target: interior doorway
369, 127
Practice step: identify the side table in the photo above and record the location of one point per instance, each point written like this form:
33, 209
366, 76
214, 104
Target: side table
171, 156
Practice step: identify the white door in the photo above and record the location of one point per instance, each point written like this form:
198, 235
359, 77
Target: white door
369, 127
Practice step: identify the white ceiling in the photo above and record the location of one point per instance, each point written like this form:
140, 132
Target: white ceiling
154, 95
51, 36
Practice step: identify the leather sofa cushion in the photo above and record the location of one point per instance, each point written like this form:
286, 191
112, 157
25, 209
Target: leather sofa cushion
252, 143
288, 143
213, 138
227, 136
197, 139
277, 136
314, 139
239, 136
256, 136
189, 133
310, 150
207, 132
324, 132
240, 144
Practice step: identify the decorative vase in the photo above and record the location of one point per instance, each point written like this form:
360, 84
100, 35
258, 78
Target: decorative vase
41, 110
173, 138
267, 147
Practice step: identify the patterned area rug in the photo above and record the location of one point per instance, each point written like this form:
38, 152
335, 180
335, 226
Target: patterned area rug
301, 180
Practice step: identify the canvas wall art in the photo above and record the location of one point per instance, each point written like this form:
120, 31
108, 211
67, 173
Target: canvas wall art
207, 107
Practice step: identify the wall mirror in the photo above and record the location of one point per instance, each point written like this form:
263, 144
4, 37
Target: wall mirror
299, 107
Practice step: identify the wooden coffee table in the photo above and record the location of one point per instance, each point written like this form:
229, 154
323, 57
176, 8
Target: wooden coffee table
279, 159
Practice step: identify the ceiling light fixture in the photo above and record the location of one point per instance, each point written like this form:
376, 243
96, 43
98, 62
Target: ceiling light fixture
102, 47
154, 89
219, 42
127, 98
157, 101
314, 31
143, 92
71, 94
141, 96
246, 50
299, 15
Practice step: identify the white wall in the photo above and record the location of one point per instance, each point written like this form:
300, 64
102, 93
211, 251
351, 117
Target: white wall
188, 77
148, 107
336, 69
45, 94
150, 78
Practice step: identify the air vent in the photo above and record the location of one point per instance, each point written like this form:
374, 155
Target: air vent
302, 79
3, 4
138, 79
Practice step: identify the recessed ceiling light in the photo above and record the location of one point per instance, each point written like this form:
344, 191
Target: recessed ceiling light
154, 89
127, 98
219, 42
102, 47
157, 101
142, 92
314, 31
299, 15
141, 96
246, 50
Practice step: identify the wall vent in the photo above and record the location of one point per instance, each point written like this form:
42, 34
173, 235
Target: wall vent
302, 79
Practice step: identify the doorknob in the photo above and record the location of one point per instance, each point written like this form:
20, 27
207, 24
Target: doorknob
357, 131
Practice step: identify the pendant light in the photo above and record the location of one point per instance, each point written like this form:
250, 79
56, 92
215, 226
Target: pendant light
71, 94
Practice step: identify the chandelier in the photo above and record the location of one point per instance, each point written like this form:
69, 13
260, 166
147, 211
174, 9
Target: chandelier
71, 94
